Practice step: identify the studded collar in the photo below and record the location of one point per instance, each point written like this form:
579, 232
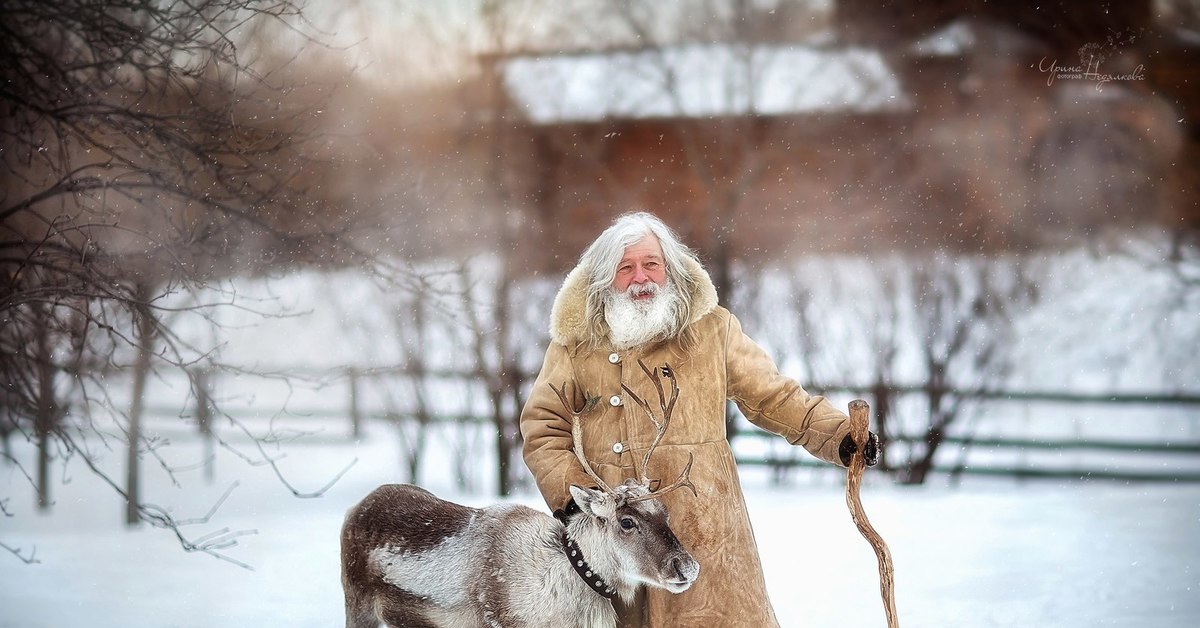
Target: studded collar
581, 567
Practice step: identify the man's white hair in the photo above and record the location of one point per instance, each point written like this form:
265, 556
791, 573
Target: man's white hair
604, 255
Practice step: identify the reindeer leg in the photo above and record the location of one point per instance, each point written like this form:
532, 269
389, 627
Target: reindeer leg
359, 609
361, 616
399, 609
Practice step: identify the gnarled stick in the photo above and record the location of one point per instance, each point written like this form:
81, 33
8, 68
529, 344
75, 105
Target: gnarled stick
859, 417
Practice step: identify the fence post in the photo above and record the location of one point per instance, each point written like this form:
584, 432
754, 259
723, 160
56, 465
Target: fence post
202, 387
355, 412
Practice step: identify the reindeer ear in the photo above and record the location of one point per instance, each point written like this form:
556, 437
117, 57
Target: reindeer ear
585, 497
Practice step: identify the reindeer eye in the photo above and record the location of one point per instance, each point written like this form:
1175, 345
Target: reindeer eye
627, 523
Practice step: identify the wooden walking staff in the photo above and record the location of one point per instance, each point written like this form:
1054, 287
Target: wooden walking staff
859, 417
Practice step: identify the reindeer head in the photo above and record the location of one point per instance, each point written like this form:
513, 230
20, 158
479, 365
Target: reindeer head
631, 524
637, 537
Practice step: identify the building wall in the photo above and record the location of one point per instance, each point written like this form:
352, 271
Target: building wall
990, 158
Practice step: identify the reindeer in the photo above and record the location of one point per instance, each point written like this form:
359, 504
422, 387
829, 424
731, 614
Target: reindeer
411, 559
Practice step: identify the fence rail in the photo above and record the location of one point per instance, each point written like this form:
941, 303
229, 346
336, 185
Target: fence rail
1114, 458
779, 461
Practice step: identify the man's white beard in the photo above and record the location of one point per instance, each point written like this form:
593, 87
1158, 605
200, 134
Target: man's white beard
632, 322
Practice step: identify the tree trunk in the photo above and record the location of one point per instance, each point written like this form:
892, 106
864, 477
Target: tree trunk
502, 420
414, 352
418, 448
6, 443
918, 470
939, 418
203, 390
883, 397
141, 373
43, 467
513, 378
47, 411
355, 410
722, 277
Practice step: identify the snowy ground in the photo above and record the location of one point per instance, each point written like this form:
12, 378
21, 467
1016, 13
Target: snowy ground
985, 554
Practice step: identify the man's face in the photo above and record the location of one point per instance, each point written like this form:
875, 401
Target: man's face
641, 264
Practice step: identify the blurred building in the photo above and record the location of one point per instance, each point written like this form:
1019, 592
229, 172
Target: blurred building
958, 124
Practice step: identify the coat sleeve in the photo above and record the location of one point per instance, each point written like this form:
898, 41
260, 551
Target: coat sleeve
546, 430
777, 403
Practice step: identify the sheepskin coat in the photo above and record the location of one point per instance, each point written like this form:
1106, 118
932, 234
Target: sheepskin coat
721, 364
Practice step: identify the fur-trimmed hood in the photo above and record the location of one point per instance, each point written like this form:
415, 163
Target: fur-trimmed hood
568, 317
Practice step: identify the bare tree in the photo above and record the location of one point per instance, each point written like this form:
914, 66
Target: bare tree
147, 148
964, 313
490, 324
414, 416
938, 326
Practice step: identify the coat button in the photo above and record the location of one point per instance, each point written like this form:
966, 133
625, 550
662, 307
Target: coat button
614, 400
618, 447
614, 358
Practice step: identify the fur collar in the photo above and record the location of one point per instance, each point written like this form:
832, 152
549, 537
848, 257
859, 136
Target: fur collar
568, 320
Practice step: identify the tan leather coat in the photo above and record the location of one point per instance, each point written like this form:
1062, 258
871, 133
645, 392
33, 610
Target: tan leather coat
722, 364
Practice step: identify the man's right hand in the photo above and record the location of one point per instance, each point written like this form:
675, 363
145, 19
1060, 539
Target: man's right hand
848, 449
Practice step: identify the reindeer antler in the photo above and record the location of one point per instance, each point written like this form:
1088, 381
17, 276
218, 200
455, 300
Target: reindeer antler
660, 428
577, 433
668, 407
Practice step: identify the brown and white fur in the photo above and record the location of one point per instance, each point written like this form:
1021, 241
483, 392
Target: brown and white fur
412, 560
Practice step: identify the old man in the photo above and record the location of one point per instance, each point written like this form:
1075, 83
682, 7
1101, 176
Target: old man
638, 293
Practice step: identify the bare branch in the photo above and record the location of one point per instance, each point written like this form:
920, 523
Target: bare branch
31, 559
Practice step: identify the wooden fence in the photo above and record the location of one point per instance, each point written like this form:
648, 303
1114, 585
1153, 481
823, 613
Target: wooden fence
1167, 458
1171, 457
